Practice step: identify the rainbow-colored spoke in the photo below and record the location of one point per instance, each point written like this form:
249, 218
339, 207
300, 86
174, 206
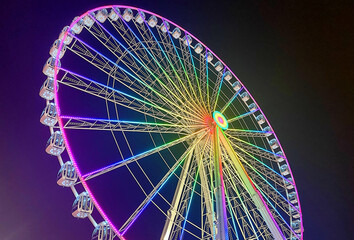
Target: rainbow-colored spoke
155, 59
137, 157
82, 123
231, 100
248, 133
102, 57
149, 197
239, 117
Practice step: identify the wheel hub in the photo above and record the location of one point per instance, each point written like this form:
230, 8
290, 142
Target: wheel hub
220, 120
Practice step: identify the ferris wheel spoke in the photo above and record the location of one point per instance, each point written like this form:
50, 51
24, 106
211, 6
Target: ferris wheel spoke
100, 34
231, 100
203, 81
155, 60
231, 213
138, 157
107, 67
246, 222
255, 195
155, 191
274, 203
136, 59
259, 225
175, 211
261, 166
242, 116
256, 165
248, 133
151, 38
205, 189
252, 148
188, 66
214, 90
170, 50
207, 80
181, 208
97, 89
217, 89
189, 203
108, 61
83, 123
279, 217
194, 70
265, 184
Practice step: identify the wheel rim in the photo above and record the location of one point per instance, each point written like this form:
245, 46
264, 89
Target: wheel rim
186, 101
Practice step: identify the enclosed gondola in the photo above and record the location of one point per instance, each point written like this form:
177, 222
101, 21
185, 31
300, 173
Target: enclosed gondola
67, 175
82, 206
55, 145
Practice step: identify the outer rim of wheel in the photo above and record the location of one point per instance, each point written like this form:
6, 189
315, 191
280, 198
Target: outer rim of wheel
70, 153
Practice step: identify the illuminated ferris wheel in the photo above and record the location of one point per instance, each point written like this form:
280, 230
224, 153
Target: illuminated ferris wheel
156, 136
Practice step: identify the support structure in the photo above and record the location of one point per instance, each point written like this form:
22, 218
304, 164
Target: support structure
255, 195
172, 214
221, 215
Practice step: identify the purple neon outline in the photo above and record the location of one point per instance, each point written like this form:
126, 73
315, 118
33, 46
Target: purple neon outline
207, 49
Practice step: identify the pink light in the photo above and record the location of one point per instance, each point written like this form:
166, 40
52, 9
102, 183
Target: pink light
221, 120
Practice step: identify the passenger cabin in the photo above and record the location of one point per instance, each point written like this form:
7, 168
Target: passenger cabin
268, 131
252, 107
49, 115
288, 184
236, 86
102, 232
274, 143
176, 33
69, 36
82, 206
47, 89
152, 21
209, 57
218, 66
187, 40
102, 15
55, 145
296, 226
54, 49
260, 119
280, 158
67, 176
198, 48
127, 14
284, 170
89, 19
140, 17
114, 14
48, 68
292, 197
165, 26
244, 96
78, 26
294, 212
228, 76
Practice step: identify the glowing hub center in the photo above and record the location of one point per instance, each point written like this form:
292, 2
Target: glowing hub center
220, 120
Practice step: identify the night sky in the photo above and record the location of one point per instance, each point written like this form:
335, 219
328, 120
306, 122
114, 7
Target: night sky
295, 57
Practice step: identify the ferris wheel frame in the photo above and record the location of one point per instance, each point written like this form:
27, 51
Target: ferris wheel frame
220, 124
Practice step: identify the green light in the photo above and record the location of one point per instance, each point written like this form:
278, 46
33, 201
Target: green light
220, 120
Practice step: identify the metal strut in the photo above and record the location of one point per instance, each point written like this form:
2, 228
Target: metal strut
254, 193
221, 215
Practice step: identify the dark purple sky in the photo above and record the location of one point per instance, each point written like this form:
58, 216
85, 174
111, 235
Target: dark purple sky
293, 56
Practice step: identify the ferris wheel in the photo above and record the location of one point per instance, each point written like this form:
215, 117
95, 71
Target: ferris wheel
158, 139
